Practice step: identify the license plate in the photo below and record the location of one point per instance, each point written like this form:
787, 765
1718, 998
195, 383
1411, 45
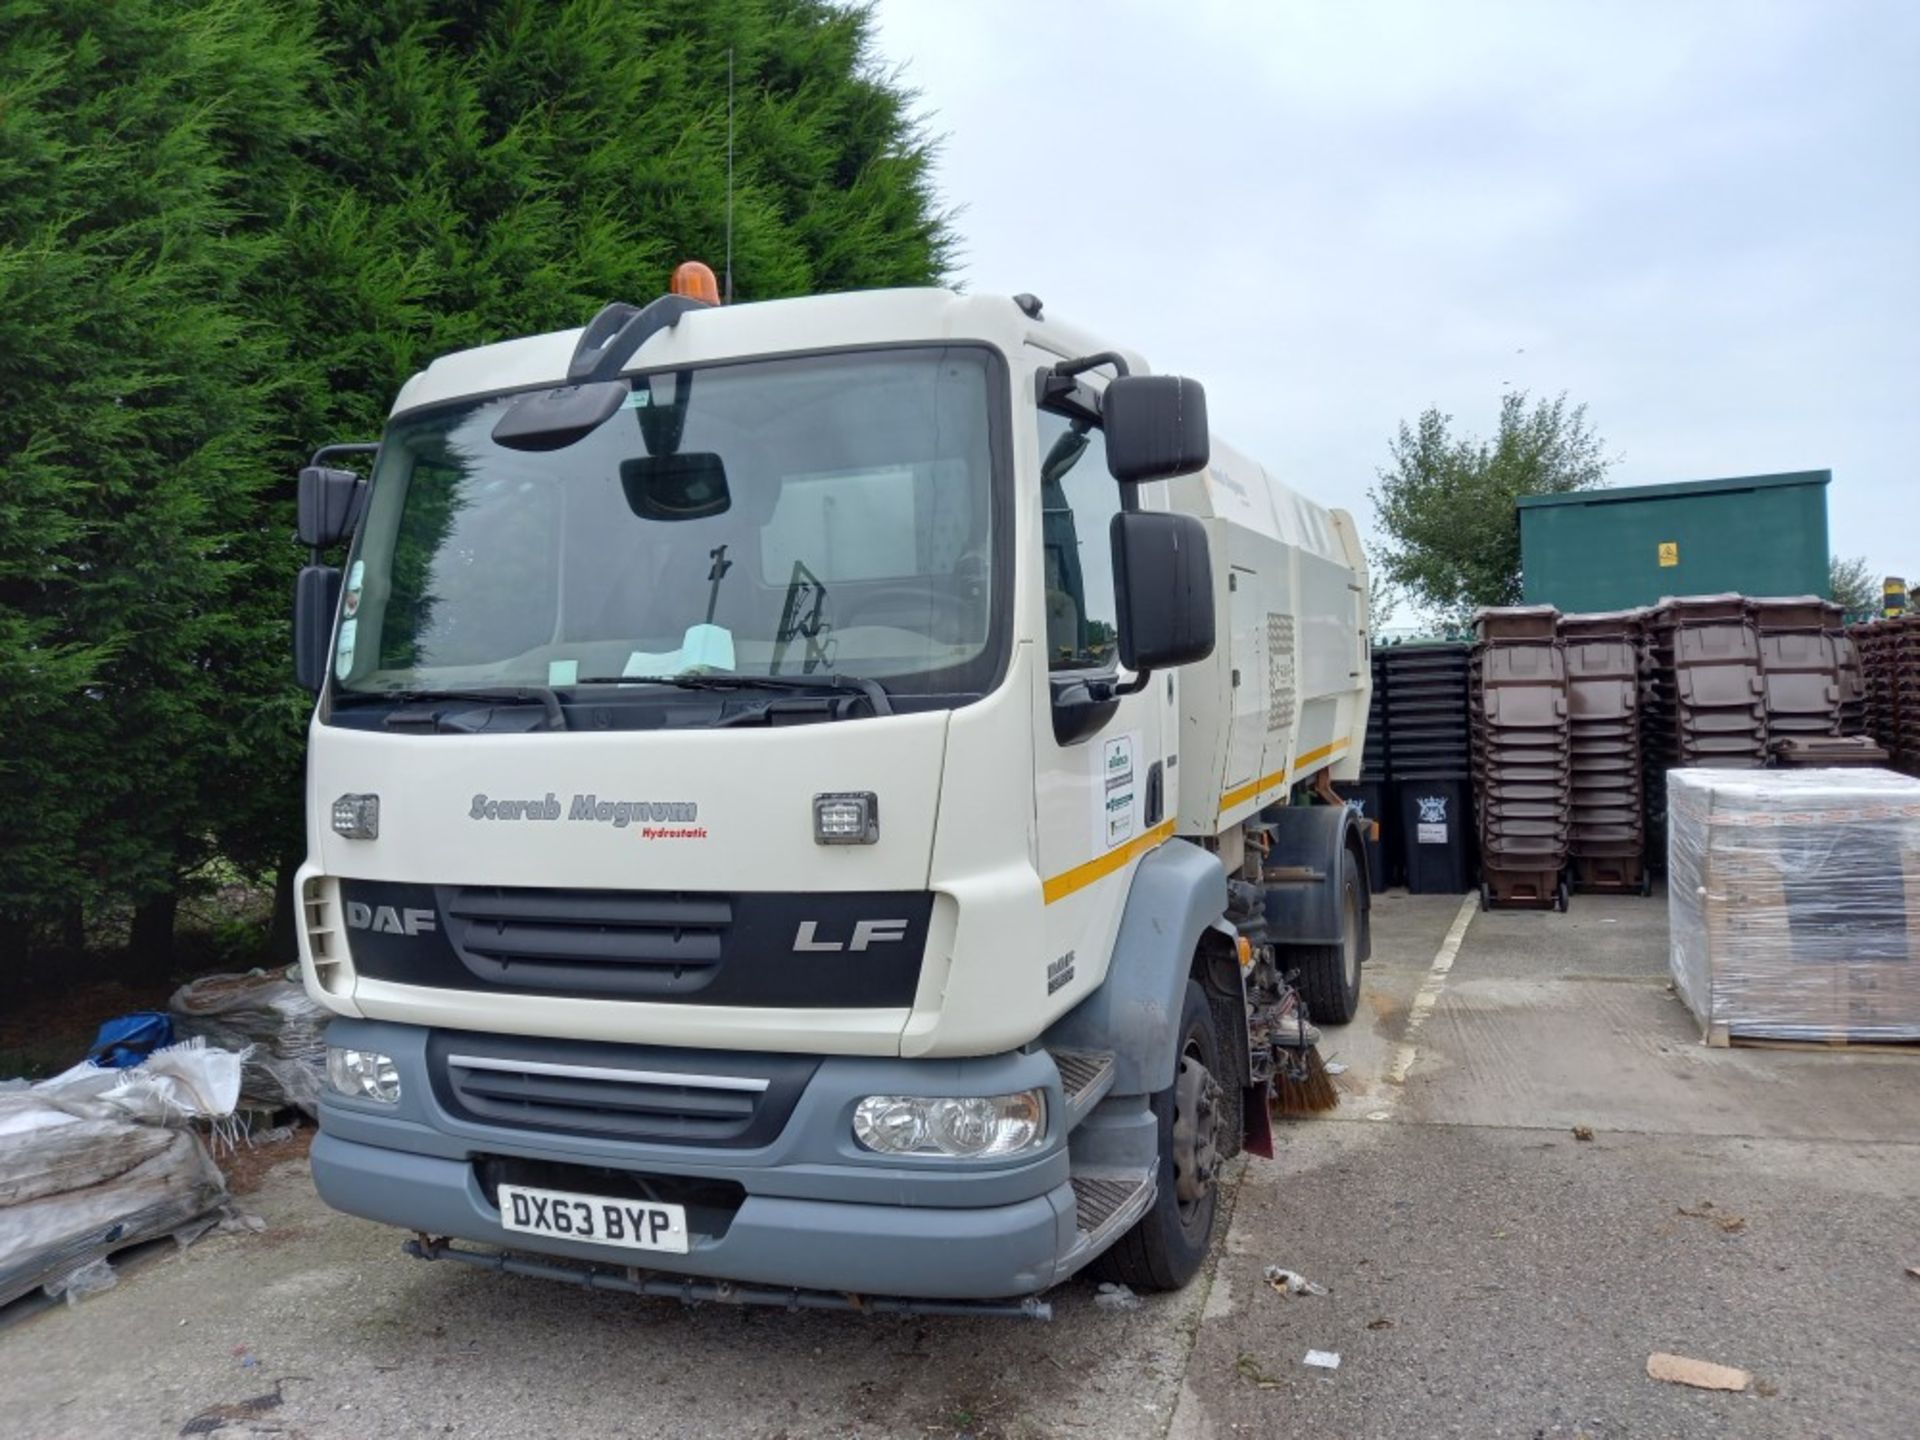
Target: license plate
564, 1215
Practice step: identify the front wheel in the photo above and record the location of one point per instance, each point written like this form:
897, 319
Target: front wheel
1169, 1243
1330, 974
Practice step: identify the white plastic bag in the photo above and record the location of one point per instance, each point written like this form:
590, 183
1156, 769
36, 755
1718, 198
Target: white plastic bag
272, 1012
188, 1081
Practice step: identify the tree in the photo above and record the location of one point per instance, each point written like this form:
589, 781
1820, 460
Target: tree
1383, 598
229, 231
490, 169
1447, 502
1853, 585
139, 426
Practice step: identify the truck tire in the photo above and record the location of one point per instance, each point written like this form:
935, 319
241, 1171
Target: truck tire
1168, 1244
1229, 1032
1330, 974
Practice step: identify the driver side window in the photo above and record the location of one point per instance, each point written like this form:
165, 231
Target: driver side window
1078, 500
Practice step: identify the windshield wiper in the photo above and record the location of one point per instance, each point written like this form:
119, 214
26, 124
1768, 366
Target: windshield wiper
504, 694
875, 692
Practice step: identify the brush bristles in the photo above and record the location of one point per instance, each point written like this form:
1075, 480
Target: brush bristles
1313, 1092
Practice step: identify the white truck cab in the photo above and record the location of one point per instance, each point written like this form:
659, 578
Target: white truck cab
798, 803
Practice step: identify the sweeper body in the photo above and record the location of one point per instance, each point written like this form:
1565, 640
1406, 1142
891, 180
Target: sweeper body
811, 800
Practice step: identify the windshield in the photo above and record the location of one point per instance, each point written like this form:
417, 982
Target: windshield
805, 516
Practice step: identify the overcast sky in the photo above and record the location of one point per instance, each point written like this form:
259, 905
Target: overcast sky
1702, 220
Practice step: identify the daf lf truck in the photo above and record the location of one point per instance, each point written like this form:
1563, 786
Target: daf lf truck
806, 803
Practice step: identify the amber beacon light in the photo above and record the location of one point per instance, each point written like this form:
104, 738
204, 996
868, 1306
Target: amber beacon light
696, 282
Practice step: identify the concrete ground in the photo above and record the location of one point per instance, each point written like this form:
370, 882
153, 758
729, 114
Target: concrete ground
1490, 1273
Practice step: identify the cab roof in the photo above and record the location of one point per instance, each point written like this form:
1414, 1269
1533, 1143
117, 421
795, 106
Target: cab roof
768, 327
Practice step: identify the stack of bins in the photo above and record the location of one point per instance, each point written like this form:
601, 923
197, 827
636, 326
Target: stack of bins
1704, 698
1608, 844
1799, 666
1870, 641
1523, 770
1853, 678
1653, 763
1374, 761
1706, 701
1371, 797
1903, 683
1429, 754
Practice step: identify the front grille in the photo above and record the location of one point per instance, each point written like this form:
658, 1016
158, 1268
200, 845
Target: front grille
802, 950
613, 942
609, 1102
623, 1092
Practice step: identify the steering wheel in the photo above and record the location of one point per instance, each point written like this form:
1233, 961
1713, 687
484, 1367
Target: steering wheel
958, 611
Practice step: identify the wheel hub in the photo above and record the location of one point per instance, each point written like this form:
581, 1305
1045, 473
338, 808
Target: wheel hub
1196, 1132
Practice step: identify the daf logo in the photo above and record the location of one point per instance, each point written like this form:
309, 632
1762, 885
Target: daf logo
865, 933
386, 920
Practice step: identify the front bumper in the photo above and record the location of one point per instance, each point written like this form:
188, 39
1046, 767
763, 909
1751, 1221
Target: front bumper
817, 1213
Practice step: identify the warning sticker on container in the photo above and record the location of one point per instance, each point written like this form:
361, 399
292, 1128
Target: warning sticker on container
1430, 834
1669, 554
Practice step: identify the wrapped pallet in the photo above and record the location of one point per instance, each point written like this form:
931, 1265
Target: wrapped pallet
1794, 909
79, 1182
268, 1015
95, 1160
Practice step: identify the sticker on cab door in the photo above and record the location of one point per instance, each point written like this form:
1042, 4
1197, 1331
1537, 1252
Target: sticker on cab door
1116, 791
343, 648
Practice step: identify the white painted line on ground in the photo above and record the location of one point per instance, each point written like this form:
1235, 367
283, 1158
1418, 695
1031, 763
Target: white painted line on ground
1425, 999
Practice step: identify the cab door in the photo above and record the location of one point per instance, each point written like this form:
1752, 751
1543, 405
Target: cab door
1103, 781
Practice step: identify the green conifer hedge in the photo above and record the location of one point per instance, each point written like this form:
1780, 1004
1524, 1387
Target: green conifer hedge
229, 229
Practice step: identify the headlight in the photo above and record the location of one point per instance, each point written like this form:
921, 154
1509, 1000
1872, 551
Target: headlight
971, 1127
363, 1074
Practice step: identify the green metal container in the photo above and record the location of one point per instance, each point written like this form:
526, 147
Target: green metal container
1611, 549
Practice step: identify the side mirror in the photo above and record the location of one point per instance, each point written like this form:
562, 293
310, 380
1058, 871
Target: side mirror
1163, 582
316, 595
1155, 426
329, 505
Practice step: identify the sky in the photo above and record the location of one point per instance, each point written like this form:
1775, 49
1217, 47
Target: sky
1700, 220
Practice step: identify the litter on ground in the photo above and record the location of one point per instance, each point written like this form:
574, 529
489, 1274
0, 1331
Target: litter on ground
1292, 1282
1731, 1224
1700, 1374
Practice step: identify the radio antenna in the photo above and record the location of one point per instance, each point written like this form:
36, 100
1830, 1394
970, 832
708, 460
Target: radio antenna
728, 293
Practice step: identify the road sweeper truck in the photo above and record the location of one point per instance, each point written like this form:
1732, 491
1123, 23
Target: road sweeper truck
819, 802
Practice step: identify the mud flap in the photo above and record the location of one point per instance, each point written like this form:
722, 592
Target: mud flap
1258, 1121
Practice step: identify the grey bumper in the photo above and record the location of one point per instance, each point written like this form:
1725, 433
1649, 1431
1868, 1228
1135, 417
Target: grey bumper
818, 1212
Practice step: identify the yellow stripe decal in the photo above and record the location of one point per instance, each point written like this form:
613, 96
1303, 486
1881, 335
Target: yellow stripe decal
1101, 866
1322, 753
1267, 782
1252, 788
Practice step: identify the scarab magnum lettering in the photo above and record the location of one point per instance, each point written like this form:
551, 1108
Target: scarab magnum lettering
617, 813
